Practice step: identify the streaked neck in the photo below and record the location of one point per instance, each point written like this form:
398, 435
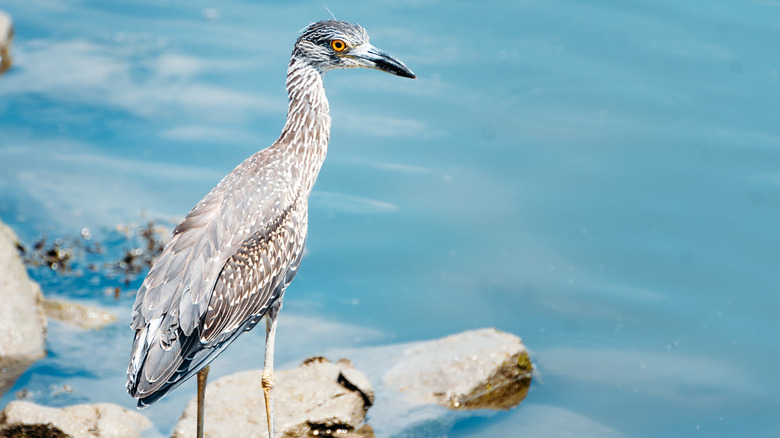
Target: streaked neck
308, 112
306, 134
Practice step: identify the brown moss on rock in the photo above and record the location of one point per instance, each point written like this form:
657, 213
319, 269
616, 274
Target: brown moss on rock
32, 431
504, 389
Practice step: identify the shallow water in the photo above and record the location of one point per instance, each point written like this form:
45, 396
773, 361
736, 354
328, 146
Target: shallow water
600, 178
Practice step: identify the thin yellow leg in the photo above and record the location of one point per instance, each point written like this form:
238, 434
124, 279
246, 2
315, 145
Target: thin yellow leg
268, 367
202, 376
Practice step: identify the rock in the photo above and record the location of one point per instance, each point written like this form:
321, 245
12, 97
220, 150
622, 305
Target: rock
353, 379
6, 34
22, 323
423, 388
83, 316
103, 420
481, 369
319, 398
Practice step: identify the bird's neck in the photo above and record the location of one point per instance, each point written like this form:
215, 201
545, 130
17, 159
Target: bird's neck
307, 131
308, 113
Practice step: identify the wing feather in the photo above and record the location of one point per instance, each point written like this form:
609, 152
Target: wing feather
250, 279
226, 263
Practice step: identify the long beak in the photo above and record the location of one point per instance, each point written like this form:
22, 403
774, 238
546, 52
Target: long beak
371, 57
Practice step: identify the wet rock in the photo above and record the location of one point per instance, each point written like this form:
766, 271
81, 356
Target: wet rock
423, 388
22, 323
6, 34
83, 316
319, 398
415, 389
480, 369
103, 420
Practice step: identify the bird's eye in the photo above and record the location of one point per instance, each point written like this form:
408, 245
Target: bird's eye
338, 45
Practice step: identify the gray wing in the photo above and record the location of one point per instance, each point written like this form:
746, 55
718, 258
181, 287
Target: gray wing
223, 267
256, 275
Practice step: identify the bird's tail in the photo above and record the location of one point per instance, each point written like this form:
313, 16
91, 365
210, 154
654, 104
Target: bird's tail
157, 367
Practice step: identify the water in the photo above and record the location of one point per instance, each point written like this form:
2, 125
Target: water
597, 177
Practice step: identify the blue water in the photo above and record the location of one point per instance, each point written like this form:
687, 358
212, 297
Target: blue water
600, 178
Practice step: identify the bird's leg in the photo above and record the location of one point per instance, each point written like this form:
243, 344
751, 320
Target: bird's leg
268, 366
202, 376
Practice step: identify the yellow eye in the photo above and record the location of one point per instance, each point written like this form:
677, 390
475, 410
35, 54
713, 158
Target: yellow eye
338, 45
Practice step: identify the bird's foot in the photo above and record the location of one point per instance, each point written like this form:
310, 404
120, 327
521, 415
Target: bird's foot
267, 382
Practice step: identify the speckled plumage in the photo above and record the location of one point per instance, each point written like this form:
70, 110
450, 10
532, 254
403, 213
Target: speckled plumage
235, 246
230, 260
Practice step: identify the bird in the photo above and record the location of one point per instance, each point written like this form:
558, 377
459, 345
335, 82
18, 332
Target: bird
230, 260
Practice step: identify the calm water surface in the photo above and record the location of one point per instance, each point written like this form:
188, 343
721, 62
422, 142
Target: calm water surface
600, 178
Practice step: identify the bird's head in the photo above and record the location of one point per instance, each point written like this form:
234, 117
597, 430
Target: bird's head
331, 44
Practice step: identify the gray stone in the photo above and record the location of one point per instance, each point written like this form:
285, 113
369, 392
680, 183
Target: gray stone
101, 420
480, 369
22, 323
86, 317
423, 388
319, 398
6, 34
419, 389
357, 381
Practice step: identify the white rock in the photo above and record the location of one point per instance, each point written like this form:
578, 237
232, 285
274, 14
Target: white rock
22, 323
6, 34
471, 370
317, 397
101, 420
85, 317
422, 388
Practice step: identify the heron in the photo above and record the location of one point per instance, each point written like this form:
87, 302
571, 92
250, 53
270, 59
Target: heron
230, 260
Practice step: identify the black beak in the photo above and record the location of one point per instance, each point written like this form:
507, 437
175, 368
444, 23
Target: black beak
371, 57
